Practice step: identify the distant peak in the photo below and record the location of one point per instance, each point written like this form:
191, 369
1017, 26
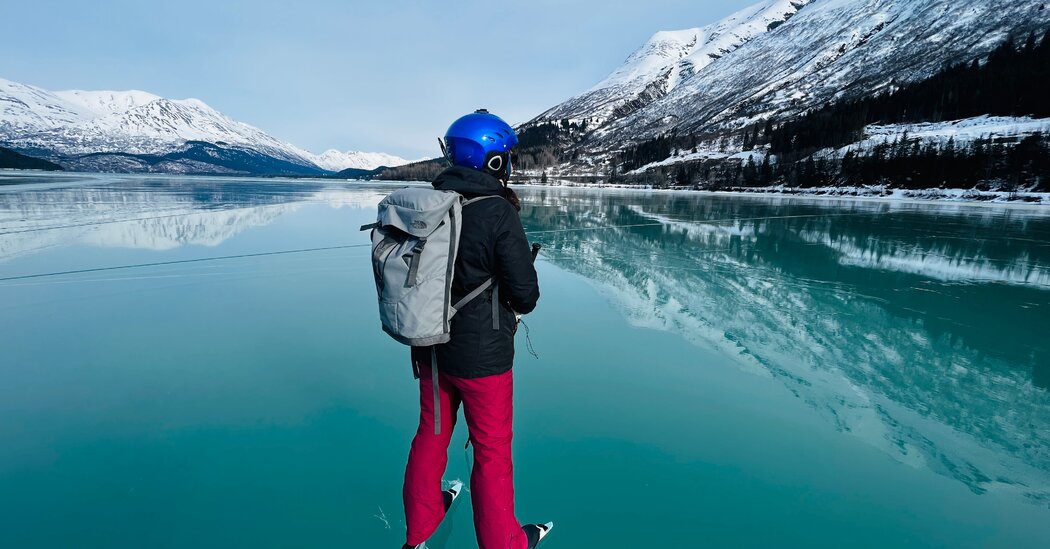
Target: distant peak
680, 36
193, 102
698, 47
335, 160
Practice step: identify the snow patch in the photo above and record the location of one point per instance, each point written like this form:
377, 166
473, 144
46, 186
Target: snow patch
962, 132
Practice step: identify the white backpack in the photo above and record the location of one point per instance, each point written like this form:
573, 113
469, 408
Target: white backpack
415, 241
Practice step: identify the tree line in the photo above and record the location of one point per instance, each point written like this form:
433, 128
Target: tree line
549, 143
539, 146
1011, 82
425, 170
904, 163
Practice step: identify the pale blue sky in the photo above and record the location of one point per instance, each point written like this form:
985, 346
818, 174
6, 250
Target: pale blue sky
379, 76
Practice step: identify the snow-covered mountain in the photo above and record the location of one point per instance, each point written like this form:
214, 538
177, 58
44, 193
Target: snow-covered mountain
107, 102
139, 131
135, 122
670, 57
780, 58
28, 110
337, 161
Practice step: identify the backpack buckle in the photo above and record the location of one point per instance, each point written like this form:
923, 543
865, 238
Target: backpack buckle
418, 248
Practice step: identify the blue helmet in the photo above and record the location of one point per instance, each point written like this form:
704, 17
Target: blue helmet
481, 141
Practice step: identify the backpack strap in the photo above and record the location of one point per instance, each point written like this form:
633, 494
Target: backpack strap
437, 389
473, 294
479, 199
413, 262
490, 283
495, 307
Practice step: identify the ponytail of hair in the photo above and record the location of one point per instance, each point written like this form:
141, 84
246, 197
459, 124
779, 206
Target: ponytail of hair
511, 196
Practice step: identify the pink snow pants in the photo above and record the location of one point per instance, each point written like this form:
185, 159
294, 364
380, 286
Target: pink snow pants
488, 408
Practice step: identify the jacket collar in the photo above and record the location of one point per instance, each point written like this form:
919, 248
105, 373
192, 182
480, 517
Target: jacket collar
467, 181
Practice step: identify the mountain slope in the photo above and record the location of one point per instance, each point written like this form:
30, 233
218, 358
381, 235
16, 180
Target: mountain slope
810, 53
670, 57
27, 109
139, 131
107, 102
79, 122
829, 50
980, 125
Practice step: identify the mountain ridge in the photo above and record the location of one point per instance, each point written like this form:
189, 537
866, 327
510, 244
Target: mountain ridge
77, 128
640, 123
830, 50
667, 57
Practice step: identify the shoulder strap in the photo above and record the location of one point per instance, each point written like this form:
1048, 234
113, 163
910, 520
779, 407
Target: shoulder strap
473, 294
484, 285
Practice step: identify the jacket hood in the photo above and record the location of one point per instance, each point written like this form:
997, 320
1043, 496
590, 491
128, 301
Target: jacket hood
468, 182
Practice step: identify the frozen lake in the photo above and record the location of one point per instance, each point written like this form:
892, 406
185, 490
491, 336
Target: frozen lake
751, 371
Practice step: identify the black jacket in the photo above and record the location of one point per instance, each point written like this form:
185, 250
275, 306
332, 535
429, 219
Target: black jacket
492, 244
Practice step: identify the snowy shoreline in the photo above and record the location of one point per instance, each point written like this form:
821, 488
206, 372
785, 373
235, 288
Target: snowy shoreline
880, 193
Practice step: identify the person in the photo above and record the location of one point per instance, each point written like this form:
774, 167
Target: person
474, 367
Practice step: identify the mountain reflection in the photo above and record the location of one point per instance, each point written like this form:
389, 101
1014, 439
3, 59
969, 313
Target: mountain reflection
154, 213
919, 328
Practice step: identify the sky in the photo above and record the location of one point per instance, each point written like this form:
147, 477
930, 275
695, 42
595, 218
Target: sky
383, 76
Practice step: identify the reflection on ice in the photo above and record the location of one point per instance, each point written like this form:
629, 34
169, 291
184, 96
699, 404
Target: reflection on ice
155, 214
941, 262
919, 329
846, 304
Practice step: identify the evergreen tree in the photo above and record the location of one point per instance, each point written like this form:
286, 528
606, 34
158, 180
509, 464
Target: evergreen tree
750, 173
